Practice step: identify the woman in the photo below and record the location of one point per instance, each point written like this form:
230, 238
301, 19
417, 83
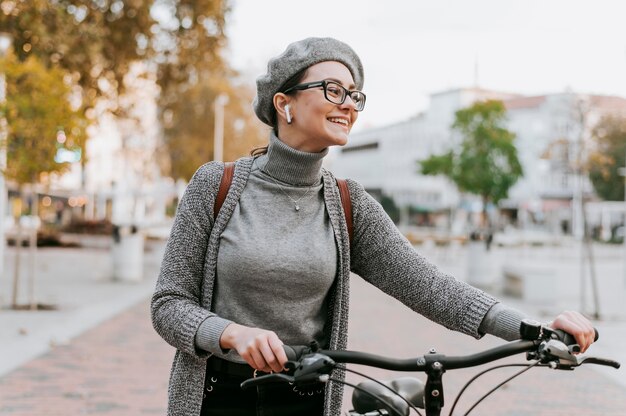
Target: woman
273, 267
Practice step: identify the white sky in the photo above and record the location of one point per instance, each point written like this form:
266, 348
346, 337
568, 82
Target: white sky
413, 48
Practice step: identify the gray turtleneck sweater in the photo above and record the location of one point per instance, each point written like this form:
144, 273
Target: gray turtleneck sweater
276, 264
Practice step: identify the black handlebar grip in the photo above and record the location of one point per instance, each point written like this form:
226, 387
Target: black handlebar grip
568, 339
290, 352
294, 352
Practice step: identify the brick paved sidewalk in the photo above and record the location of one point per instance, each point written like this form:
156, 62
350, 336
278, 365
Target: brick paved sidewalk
121, 368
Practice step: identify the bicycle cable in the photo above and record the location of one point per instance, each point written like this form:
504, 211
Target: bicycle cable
500, 385
385, 386
362, 390
465, 387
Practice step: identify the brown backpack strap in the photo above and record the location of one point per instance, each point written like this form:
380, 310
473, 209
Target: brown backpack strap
344, 192
227, 179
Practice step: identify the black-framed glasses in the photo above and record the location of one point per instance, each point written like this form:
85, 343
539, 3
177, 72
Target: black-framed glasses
334, 92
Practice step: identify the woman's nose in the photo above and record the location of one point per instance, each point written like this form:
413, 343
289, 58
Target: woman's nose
349, 103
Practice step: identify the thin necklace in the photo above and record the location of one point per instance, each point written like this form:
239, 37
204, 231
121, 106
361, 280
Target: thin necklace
295, 201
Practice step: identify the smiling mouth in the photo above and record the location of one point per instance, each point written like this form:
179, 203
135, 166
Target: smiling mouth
340, 121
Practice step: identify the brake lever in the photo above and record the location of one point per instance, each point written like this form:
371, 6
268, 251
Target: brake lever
312, 366
558, 356
268, 378
582, 359
566, 358
601, 361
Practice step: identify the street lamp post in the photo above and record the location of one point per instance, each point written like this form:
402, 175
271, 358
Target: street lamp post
5, 44
218, 138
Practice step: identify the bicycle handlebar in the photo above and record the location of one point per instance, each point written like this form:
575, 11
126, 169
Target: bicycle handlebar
547, 345
420, 363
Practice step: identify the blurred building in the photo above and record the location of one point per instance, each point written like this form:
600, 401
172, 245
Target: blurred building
552, 130
120, 177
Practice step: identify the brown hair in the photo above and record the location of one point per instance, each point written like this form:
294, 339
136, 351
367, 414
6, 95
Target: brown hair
294, 80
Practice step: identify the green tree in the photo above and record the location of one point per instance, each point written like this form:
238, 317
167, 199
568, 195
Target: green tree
486, 162
95, 41
181, 41
608, 155
40, 119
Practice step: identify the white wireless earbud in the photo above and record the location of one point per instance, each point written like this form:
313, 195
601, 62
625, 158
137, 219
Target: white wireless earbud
288, 114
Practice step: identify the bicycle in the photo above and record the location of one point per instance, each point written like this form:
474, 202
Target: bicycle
544, 346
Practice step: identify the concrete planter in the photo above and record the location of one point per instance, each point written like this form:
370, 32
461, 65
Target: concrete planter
127, 253
533, 284
479, 270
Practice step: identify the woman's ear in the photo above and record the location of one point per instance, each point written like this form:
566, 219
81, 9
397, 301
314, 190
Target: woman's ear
283, 108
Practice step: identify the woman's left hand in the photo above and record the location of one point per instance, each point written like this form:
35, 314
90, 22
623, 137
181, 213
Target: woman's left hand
576, 325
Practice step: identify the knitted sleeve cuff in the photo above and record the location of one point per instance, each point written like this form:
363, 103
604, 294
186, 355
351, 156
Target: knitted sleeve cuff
209, 333
502, 322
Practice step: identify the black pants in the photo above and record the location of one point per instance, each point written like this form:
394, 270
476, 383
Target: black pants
223, 396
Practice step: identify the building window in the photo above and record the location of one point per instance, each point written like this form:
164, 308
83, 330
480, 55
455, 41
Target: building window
360, 147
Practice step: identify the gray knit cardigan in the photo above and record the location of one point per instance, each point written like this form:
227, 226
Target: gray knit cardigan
379, 254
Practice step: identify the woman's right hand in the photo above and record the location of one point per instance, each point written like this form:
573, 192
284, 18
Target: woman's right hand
262, 349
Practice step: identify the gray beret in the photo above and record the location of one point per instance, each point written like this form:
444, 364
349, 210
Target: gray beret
298, 56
